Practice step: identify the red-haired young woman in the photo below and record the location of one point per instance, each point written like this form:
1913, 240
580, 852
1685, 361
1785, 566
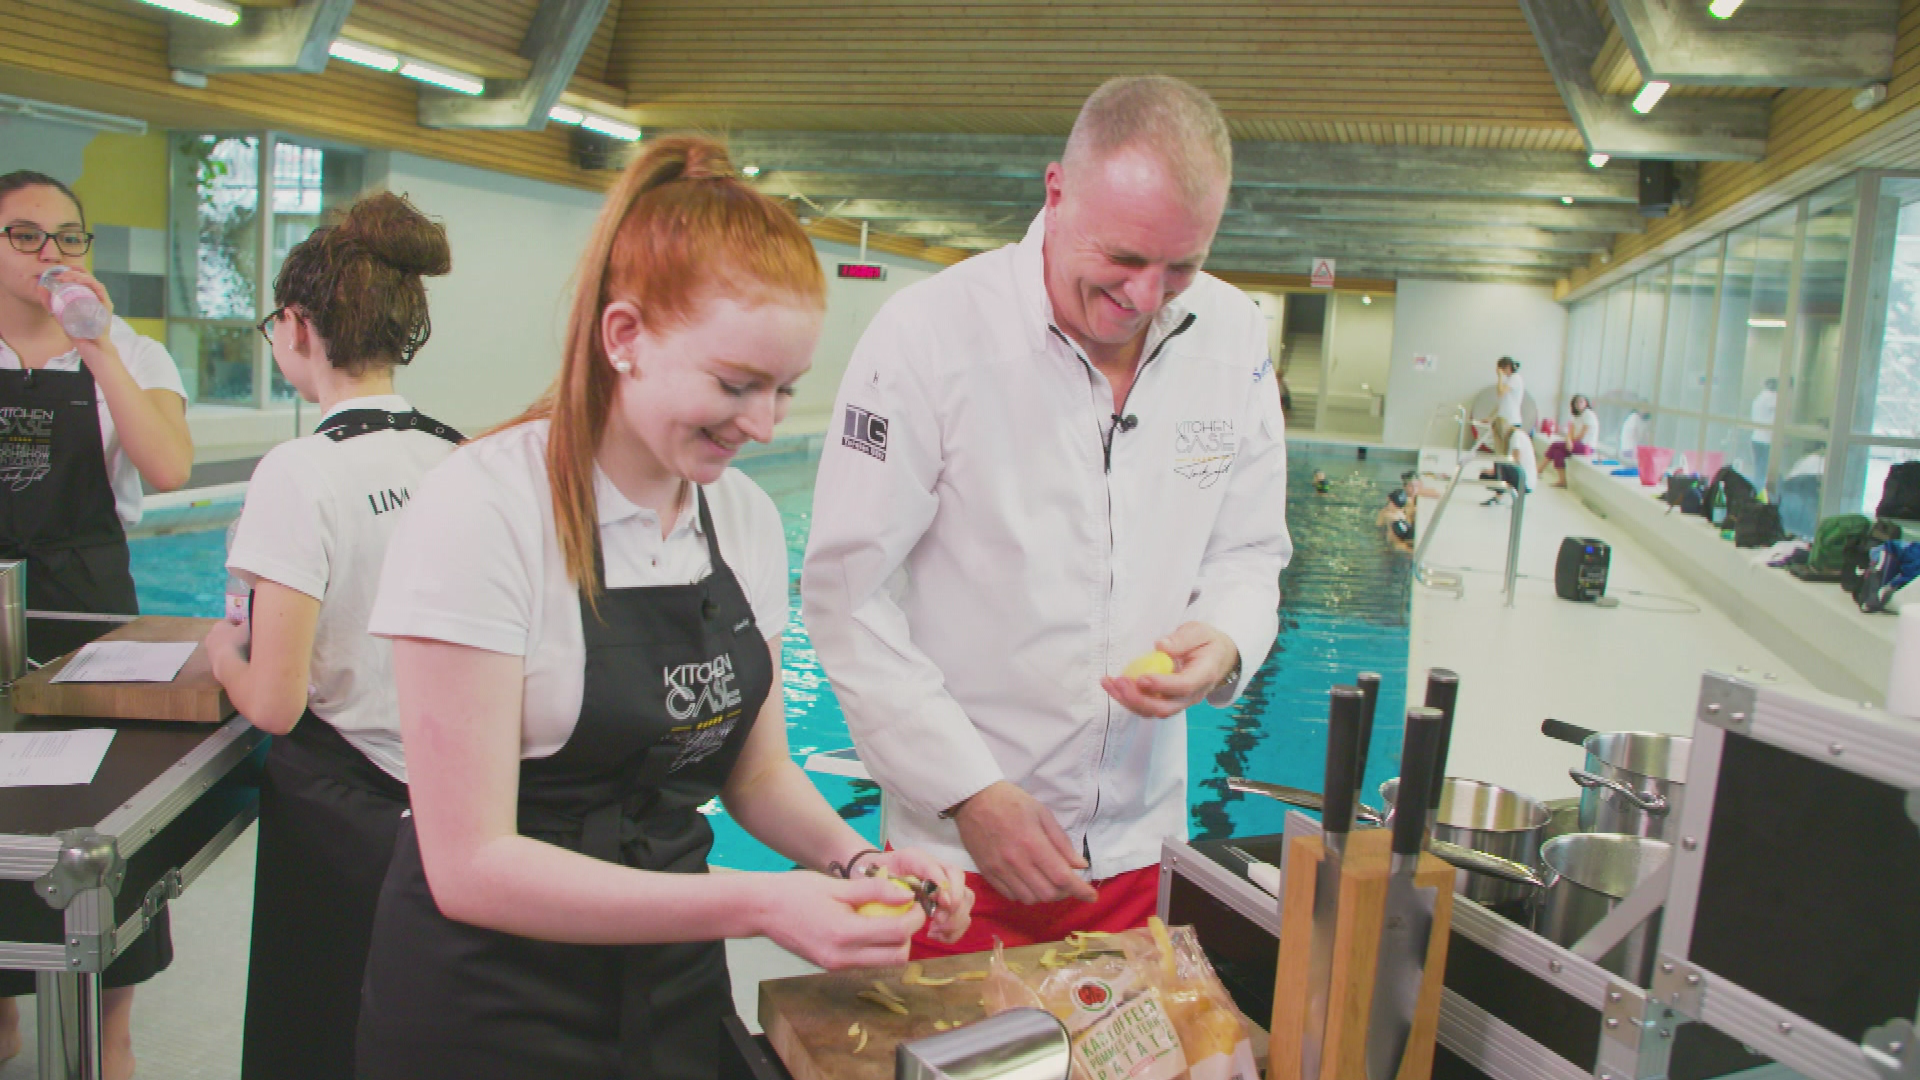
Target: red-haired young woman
586, 608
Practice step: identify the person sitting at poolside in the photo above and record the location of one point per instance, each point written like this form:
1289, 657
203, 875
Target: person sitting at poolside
1574, 438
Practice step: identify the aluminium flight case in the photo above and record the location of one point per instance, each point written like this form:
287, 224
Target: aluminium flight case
1793, 919
85, 868
1516, 1006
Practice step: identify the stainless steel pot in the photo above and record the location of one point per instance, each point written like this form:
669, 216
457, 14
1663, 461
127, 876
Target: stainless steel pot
1635, 782
1488, 819
1586, 875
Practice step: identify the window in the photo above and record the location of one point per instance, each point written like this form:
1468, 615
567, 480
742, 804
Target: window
1610, 384
1683, 371
1824, 258
220, 238
1752, 332
1643, 341
1889, 384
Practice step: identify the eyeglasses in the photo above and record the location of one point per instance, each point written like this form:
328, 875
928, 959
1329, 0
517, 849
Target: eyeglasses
267, 324
32, 241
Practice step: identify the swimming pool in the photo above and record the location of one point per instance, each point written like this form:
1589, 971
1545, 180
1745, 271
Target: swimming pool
1344, 608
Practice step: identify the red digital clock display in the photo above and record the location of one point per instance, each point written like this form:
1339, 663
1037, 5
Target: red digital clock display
864, 271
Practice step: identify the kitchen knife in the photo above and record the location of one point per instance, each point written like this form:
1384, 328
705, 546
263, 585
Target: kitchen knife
1443, 689
1407, 923
1369, 684
1336, 820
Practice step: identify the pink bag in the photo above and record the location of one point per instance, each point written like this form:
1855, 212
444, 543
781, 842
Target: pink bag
1653, 463
1710, 462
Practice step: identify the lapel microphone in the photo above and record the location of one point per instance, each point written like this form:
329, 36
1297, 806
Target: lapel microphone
1125, 423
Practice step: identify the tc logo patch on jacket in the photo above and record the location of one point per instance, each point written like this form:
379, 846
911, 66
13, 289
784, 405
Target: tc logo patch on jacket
1203, 450
865, 432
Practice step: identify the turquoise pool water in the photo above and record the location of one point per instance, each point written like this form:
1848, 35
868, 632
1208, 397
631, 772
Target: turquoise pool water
1344, 608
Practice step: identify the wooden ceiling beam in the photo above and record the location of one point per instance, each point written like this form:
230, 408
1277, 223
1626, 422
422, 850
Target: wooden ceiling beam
277, 39
1347, 168
957, 220
1778, 43
559, 36
1679, 128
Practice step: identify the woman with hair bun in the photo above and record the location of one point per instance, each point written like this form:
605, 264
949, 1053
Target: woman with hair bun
350, 307
586, 608
86, 421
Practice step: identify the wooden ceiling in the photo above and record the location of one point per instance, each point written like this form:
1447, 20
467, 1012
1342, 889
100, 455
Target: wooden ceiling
1401, 137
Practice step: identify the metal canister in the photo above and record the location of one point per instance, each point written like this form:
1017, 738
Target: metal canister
13, 620
1019, 1044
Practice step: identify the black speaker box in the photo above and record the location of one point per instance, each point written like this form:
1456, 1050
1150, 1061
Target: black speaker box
1658, 186
1581, 571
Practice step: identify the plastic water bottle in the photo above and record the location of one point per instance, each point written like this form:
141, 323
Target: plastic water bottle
81, 313
239, 594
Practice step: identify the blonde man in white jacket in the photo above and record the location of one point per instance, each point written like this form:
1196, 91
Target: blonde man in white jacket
1046, 461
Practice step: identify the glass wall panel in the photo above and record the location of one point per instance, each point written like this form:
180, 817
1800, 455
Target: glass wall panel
1683, 371
1889, 383
1866, 476
1743, 447
1583, 348
213, 267
1610, 383
1750, 341
1823, 292
1681, 434
1803, 469
1643, 341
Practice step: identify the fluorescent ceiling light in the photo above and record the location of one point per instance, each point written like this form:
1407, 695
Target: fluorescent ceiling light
458, 82
1767, 324
750, 171
562, 114
1649, 96
342, 49
1566, 200
613, 129
214, 11
1597, 160
1366, 299
1723, 9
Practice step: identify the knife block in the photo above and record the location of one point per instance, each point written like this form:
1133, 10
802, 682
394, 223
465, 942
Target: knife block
1356, 950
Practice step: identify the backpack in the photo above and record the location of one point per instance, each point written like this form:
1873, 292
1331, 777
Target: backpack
1757, 526
1859, 551
1900, 497
1735, 489
1830, 540
1683, 492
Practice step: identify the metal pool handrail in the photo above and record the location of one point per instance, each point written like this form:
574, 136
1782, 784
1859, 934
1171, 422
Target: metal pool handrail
1448, 580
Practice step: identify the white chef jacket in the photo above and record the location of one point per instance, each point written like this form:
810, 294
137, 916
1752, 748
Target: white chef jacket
152, 368
318, 519
975, 568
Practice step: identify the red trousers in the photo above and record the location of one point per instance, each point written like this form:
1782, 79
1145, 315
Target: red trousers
1125, 902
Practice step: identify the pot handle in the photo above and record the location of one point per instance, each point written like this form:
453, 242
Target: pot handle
1466, 858
1565, 732
1642, 801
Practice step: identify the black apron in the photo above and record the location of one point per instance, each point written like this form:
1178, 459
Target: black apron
328, 817
448, 1000
56, 500
57, 513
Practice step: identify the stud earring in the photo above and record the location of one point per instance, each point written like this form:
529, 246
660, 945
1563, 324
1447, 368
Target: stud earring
623, 366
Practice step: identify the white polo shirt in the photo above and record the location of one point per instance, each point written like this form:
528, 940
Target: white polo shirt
477, 562
318, 519
152, 368
1509, 407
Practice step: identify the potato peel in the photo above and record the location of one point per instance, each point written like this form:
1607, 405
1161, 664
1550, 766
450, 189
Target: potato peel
862, 1044
892, 1005
971, 976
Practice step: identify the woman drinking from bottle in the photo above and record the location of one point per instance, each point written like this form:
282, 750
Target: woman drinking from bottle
89, 409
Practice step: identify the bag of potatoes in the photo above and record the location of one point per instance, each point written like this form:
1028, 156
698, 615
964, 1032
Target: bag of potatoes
1139, 1005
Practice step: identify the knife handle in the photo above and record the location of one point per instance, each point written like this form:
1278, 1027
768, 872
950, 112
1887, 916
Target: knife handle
1443, 690
1416, 777
1369, 684
1343, 742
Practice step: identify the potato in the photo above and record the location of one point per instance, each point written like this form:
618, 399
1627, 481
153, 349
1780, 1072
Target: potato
1153, 663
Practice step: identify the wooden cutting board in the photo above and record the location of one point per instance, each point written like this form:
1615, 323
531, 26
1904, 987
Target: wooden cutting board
194, 695
806, 1017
